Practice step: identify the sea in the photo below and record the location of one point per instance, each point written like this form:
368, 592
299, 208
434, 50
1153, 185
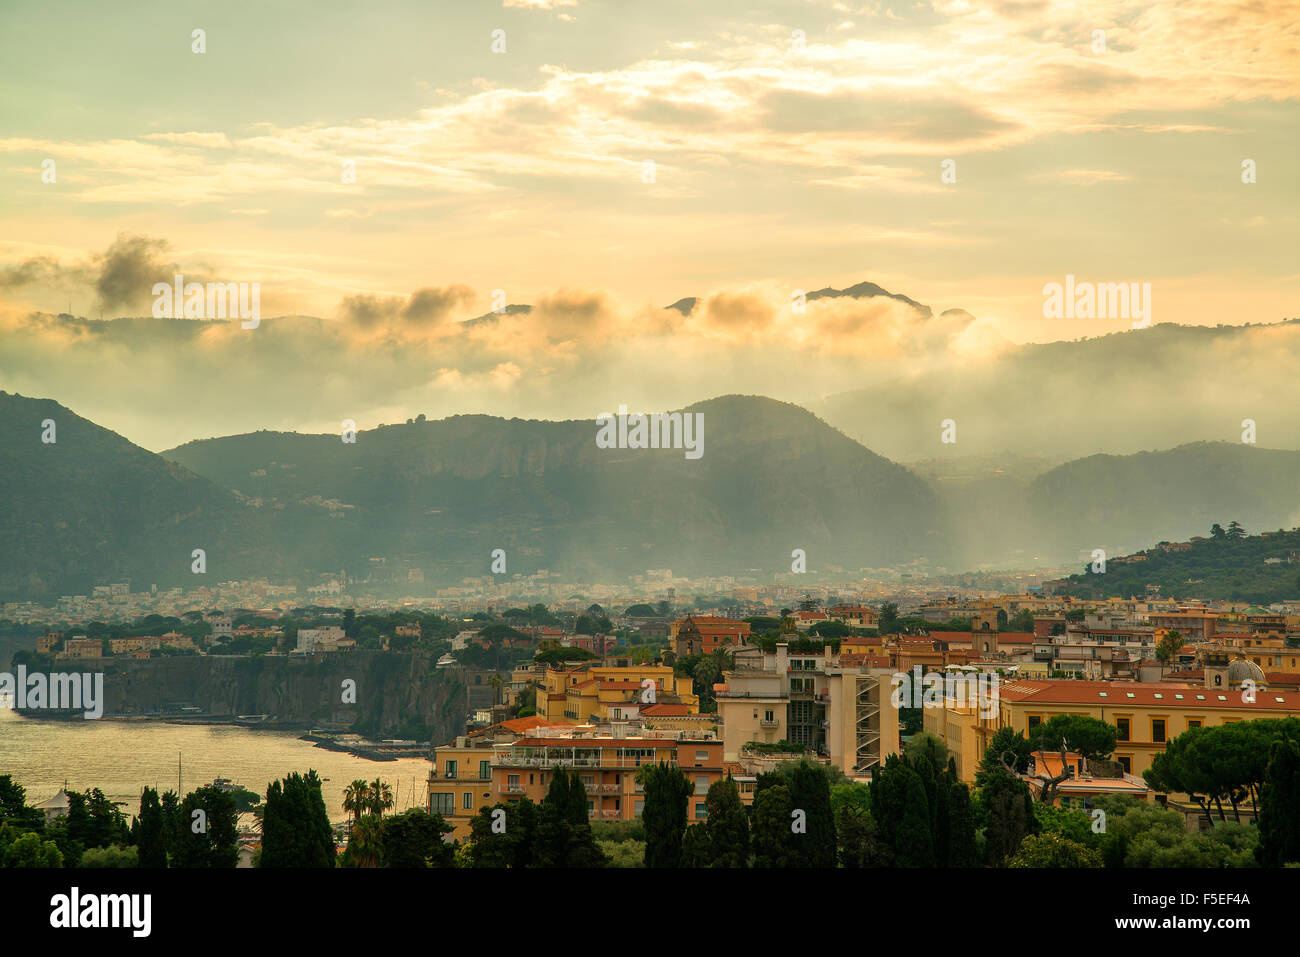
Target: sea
121, 758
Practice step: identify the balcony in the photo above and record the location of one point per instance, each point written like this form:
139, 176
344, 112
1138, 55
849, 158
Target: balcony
769, 724
611, 788
513, 789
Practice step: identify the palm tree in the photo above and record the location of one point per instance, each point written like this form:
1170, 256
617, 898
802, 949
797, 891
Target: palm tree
366, 842
1170, 645
356, 799
381, 797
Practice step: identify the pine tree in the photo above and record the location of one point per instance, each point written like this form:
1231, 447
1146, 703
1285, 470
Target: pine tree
1279, 807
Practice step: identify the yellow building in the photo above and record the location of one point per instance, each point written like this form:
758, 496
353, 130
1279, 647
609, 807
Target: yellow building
1147, 715
584, 694
607, 767
461, 780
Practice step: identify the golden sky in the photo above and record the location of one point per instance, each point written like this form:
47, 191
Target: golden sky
794, 145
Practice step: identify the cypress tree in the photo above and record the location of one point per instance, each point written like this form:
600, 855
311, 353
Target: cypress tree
151, 834
666, 794
1279, 807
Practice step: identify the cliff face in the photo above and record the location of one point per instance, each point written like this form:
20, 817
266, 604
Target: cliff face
395, 692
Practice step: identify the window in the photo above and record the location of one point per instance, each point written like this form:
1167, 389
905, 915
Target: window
1123, 725
1126, 763
1034, 721
1193, 722
637, 807
451, 771
1158, 730
467, 801
444, 804
701, 784
701, 810
484, 770
701, 755
512, 781
767, 716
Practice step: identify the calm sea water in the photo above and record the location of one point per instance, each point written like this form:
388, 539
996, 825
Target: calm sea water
122, 757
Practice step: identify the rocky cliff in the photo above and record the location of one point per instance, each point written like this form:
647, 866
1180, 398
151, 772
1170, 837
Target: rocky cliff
396, 694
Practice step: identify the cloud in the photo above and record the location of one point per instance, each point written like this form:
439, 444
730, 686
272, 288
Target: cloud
128, 270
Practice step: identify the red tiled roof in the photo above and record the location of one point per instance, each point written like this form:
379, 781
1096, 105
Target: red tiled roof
520, 725
662, 710
1127, 693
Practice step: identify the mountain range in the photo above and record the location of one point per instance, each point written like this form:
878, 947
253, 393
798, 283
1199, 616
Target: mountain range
440, 496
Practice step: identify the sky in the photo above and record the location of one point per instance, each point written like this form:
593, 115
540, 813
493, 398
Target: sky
601, 160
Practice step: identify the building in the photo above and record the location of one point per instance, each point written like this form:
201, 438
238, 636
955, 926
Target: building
705, 634
517, 759
581, 694
1147, 715
836, 706
327, 638
82, 647
461, 779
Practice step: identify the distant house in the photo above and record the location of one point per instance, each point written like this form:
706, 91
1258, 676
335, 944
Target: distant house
82, 647
704, 634
327, 638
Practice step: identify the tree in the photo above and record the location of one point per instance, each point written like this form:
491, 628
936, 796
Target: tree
365, 842
563, 831
380, 798
666, 794
295, 825
28, 850
1170, 644
727, 825
415, 839
1008, 810
509, 845
697, 846
1053, 850
888, 621
773, 840
810, 792
151, 836
1091, 738
209, 834
1279, 812
14, 809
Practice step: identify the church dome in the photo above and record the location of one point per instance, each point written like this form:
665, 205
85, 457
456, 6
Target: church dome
1240, 669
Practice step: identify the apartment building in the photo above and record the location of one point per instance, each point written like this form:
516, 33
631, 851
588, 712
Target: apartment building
832, 705
461, 779
517, 759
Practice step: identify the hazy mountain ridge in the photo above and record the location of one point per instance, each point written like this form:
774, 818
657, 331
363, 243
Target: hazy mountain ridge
1121, 393
440, 495
91, 505
548, 495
